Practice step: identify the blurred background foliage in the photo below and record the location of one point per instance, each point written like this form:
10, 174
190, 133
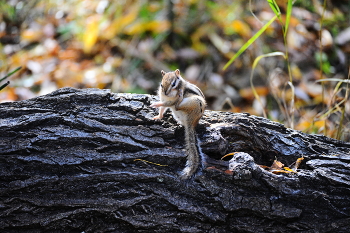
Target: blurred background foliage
123, 45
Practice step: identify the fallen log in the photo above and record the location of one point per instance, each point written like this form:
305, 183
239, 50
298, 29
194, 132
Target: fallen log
94, 161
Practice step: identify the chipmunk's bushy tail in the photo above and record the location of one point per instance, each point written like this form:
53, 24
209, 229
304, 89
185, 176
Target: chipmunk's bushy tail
194, 154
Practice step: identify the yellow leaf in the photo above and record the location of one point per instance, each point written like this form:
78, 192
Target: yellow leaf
288, 169
118, 24
135, 28
153, 26
241, 28
228, 155
130, 17
157, 26
279, 172
91, 32
296, 72
302, 125
247, 93
197, 35
319, 124
31, 35
297, 163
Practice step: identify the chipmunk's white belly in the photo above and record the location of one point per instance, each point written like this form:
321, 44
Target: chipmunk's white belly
180, 116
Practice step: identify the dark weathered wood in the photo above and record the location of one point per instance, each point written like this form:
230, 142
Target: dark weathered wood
67, 164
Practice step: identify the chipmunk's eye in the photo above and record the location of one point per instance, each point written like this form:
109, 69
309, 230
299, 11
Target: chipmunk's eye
173, 84
161, 85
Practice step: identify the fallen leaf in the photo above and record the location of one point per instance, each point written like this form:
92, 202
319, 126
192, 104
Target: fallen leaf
277, 165
247, 93
91, 33
297, 164
241, 28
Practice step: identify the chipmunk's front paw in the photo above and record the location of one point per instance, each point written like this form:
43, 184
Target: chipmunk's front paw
157, 117
156, 105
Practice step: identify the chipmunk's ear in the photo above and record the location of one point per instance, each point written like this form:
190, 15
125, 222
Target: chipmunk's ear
177, 72
163, 72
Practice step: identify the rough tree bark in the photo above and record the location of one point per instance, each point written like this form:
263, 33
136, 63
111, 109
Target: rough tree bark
72, 161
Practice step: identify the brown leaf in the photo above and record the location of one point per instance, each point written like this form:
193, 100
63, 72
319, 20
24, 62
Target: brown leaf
277, 165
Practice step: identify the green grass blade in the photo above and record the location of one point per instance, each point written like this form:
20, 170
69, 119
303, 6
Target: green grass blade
251, 12
274, 7
255, 63
11, 73
341, 122
4, 85
334, 109
333, 80
292, 104
288, 14
274, 54
249, 42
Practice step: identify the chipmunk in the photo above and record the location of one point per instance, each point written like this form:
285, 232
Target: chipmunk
187, 104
